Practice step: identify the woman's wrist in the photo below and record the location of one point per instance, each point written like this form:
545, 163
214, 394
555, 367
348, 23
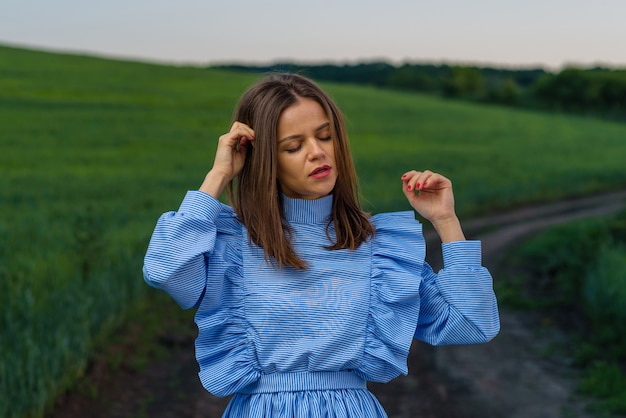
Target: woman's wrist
214, 184
449, 229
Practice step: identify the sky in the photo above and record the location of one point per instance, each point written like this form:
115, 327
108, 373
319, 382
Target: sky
521, 34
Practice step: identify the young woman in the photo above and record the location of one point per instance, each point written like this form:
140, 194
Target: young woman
302, 297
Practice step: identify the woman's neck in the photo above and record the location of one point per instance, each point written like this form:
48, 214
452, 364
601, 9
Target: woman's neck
314, 211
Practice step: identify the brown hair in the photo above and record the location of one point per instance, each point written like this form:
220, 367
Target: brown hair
257, 197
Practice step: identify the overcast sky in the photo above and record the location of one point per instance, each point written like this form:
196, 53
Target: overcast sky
547, 33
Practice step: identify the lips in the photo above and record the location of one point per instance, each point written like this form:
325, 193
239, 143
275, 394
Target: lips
320, 172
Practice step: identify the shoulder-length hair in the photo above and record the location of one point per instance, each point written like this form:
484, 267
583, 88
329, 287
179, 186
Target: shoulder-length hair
256, 195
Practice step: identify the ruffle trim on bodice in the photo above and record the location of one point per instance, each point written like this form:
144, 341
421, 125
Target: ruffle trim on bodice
398, 251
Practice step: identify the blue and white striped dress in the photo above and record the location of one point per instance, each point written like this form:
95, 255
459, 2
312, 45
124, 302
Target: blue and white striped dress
292, 343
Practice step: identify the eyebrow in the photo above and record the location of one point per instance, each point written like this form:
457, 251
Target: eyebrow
296, 136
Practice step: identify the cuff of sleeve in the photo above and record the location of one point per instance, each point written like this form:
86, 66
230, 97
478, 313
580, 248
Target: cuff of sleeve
467, 253
200, 204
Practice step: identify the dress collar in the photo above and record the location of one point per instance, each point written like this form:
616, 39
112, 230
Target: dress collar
313, 211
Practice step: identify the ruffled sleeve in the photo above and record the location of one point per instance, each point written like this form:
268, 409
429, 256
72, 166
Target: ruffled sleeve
223, 352
195, 255
458, 305
176, 259
398, 251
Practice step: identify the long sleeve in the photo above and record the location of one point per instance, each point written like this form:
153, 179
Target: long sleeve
458, 305
177, 256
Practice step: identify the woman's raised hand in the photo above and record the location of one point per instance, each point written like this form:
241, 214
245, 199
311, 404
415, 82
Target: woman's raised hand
229, 158
431, 195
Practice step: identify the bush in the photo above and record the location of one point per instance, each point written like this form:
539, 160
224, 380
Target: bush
559, 258
606, 382
604, 291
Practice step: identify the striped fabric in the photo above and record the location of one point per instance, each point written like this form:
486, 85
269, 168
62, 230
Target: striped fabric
295, 343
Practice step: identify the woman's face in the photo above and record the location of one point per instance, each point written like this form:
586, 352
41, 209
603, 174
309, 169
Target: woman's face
306, 154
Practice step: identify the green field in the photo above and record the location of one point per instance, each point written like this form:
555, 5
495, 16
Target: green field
92, 151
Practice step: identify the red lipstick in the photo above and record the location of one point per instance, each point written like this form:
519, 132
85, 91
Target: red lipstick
320, 172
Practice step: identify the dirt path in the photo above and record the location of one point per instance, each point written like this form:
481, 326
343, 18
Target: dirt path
509, 377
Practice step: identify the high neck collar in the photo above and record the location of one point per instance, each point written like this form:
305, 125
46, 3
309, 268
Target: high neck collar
313, 211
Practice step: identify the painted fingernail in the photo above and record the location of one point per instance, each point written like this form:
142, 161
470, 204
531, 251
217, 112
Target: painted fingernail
408, 187
417, 186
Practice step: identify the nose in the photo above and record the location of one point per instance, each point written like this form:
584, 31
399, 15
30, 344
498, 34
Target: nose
316, 150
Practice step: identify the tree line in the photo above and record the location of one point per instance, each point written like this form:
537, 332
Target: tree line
599, 92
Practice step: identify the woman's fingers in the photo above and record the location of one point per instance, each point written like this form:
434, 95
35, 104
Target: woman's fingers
244, 132
231, 150
435, 198
239, 134
419, 180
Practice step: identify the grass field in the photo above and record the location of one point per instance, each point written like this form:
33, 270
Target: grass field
92, 151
